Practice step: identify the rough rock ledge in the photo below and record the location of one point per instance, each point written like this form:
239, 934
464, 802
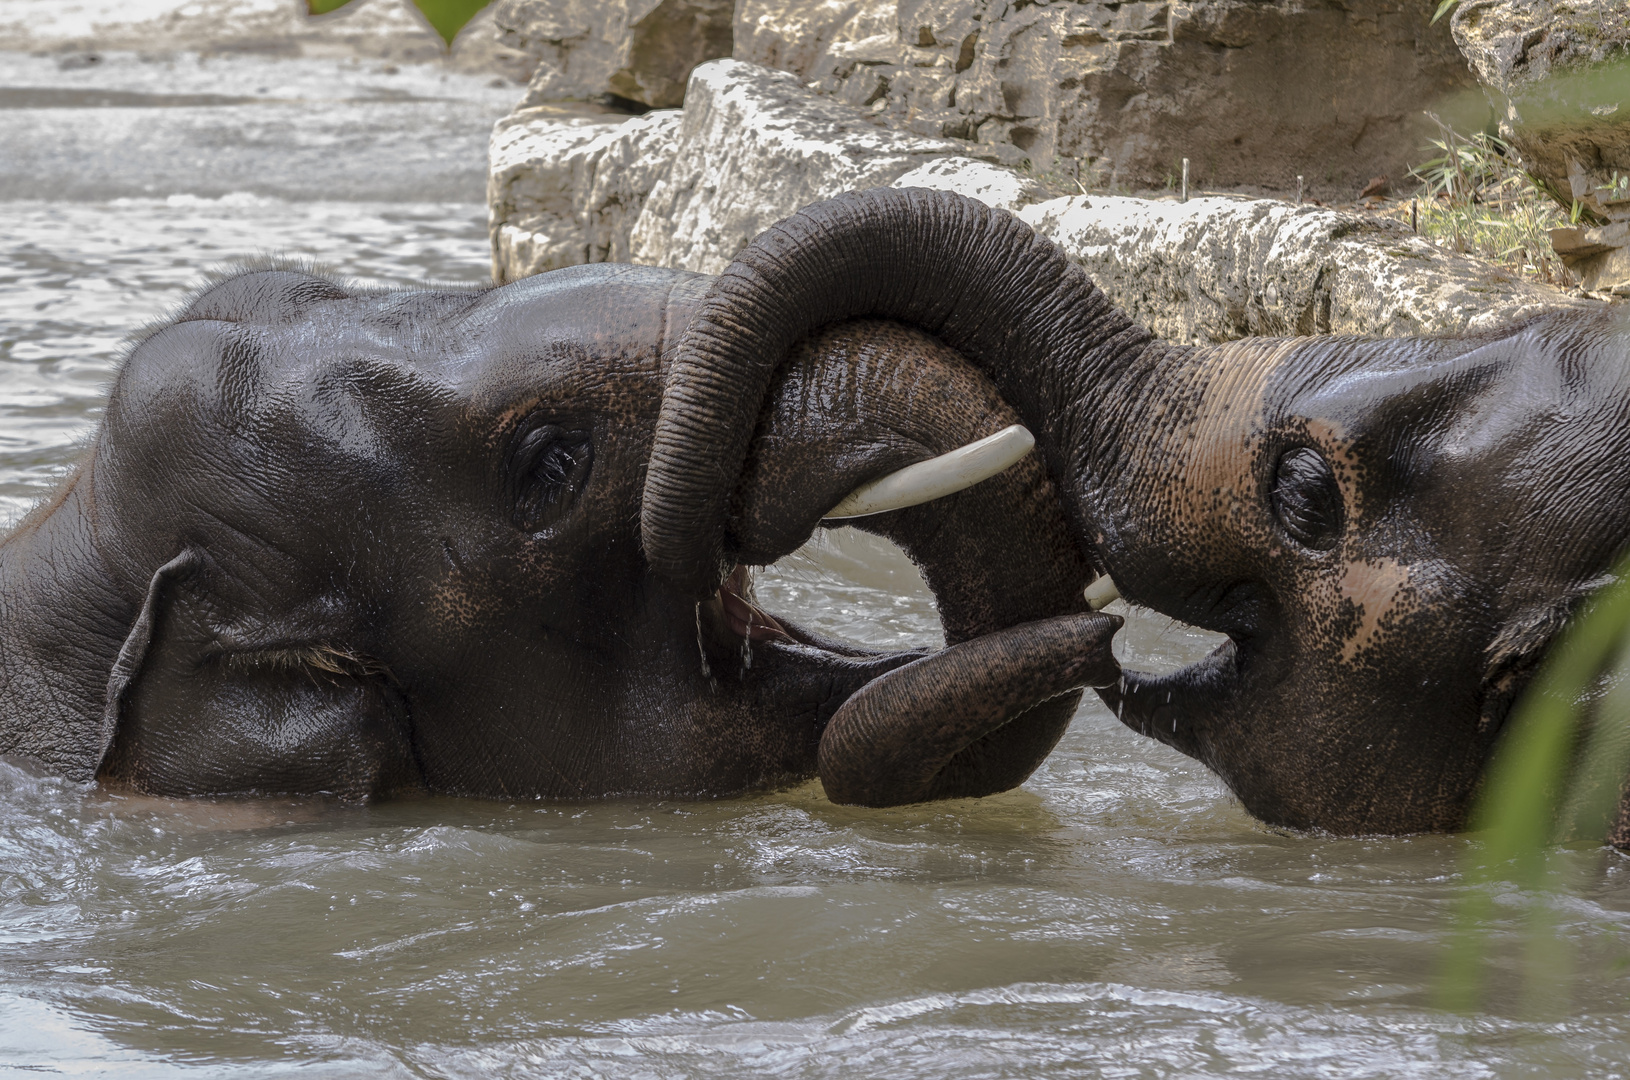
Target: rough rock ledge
688, 188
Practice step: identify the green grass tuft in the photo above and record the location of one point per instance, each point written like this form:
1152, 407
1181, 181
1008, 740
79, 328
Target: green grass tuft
1476, 199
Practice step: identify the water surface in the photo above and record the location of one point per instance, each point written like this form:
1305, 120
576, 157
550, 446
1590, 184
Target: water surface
1117, 916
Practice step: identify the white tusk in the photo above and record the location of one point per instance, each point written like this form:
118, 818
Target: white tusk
1101, 593
937, 477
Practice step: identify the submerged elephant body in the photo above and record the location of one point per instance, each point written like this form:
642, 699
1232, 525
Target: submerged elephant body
493, 543
1389, 532
351, 542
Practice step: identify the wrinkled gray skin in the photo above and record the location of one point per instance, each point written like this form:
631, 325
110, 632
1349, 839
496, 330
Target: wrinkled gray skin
329, 540
1389, 531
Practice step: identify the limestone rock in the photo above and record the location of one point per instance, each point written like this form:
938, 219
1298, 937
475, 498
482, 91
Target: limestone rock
1558, 74
566, 185
754, 146
1216, 269
570, 184
992, 185
641, 50
1600, 257
1128, 88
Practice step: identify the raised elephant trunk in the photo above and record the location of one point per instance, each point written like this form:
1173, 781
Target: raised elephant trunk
978, 717
976, 278
1389, 531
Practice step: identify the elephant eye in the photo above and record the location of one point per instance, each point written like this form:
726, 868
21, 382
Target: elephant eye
551, 469
1307, 498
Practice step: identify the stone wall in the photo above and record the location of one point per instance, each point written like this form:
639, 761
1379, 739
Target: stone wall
642, 51
1253, 92
566, 184
1216, 269
689, 188
754, 145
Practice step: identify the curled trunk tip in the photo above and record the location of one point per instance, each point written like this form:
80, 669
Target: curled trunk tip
971, 720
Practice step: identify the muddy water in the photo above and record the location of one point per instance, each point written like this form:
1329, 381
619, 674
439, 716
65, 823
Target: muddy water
1118, 916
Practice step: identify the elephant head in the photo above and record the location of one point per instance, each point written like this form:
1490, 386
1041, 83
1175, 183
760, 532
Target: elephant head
334, 540
1389, 532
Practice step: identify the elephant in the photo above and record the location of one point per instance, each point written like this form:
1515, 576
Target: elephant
334, 541
1388, 532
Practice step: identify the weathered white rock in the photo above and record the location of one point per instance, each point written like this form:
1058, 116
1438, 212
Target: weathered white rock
1253, 92
754, 146
1558, 75
642, 50
1216, 269
570, 184
566, 185
992, 185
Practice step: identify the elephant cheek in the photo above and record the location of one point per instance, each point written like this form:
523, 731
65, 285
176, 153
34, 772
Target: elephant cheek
1371, 594
455, 605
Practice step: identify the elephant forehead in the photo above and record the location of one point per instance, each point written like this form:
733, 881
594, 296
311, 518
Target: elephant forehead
624, 385
486, 372
356, 398
583, 321
1219, 443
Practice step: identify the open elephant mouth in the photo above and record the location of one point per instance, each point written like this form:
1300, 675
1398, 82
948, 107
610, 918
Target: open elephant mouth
914, 485
926, 454
735, 635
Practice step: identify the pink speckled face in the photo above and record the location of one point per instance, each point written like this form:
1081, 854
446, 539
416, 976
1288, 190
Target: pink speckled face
1389, 532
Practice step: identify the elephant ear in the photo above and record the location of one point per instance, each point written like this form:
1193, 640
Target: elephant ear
134, 650
190, 714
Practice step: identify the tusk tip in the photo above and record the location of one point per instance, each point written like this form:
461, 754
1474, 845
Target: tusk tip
1101, 592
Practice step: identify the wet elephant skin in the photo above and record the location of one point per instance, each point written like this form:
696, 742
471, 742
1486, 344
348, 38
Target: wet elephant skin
329, 540
1389, 532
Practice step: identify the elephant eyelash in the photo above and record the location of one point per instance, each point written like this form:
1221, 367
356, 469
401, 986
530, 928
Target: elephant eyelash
551, 466
1306, 498
315, 660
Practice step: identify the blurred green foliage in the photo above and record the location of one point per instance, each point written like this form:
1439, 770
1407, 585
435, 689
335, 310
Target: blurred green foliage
1557, 776
446, 17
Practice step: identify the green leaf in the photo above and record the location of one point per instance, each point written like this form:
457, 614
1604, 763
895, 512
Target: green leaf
1442, 8
447, 17
1528, 785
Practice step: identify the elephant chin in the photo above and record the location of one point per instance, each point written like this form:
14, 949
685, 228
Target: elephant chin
1239, 711
1171, 708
